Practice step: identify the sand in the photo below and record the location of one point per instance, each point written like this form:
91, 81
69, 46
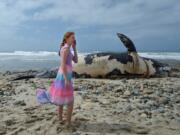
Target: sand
148, 106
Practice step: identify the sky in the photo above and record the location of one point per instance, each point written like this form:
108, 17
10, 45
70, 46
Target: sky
39, 25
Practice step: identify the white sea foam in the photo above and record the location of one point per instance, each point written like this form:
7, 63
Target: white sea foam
161, 55
40, 55
24, 53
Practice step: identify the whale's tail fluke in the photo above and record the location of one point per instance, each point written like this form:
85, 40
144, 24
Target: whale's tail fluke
127, 42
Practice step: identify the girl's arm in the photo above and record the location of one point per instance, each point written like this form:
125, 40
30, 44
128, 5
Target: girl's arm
75, 57
63, 62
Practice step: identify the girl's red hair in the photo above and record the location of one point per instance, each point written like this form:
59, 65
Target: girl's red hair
66, 36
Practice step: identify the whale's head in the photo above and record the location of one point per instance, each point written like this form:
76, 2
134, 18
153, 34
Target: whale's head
127, 42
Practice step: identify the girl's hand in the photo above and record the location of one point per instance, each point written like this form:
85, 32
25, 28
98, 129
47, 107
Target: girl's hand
74, 44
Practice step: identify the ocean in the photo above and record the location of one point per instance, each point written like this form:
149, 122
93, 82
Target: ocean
40, 60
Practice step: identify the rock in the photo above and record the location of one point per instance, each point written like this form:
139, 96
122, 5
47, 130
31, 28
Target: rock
94, 99
10, 122
163, 100
104, 102
143, 115
127, 93
75, 133
128, 108
177, 111
21, 103
1, 93
177, 99
47, 74
141, 130
147, 91
136, 92
118, 90
160, 110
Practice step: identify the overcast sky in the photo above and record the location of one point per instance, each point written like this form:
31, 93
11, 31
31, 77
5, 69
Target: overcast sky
32, 25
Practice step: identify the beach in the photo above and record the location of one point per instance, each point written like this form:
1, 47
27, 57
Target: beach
118, 59
102, 106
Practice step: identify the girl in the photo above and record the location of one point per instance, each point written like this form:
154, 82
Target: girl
61, 90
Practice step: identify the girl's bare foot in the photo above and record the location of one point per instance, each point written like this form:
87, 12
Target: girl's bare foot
70, 127
61, 121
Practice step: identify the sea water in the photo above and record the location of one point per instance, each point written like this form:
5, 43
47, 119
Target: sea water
23, 60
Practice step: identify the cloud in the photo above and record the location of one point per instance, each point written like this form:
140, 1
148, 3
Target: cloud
91, 12
103, 12
138, 18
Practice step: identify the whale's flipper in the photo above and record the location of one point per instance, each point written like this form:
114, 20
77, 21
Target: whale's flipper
127, 42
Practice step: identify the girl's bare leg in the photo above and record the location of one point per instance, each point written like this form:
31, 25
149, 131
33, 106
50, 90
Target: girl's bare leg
69, 113
60, 112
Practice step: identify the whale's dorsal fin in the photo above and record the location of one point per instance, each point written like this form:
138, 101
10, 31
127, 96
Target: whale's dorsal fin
127, 42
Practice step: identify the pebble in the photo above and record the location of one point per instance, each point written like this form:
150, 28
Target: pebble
143, 115
163, 100
127, 93
147, 91
136, 92
1, 93
21, 103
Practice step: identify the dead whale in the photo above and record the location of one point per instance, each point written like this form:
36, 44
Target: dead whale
113, 64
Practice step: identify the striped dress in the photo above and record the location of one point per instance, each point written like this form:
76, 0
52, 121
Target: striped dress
59, 93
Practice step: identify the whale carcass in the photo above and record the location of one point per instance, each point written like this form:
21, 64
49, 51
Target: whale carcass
122, 64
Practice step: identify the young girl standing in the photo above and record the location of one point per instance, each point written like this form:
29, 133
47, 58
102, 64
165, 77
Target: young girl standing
61, 90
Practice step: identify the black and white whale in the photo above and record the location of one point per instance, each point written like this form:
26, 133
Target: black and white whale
106, 65
109, 64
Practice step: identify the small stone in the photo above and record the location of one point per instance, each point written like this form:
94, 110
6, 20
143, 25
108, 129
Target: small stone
75, 133
1, 93
118, 90
143, 115
128, 108
127, 93
177, 99
163, 100
136, 92
21, 103
147, 91
160, 110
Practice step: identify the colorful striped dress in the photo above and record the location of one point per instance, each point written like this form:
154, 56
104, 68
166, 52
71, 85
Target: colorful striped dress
59, 93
